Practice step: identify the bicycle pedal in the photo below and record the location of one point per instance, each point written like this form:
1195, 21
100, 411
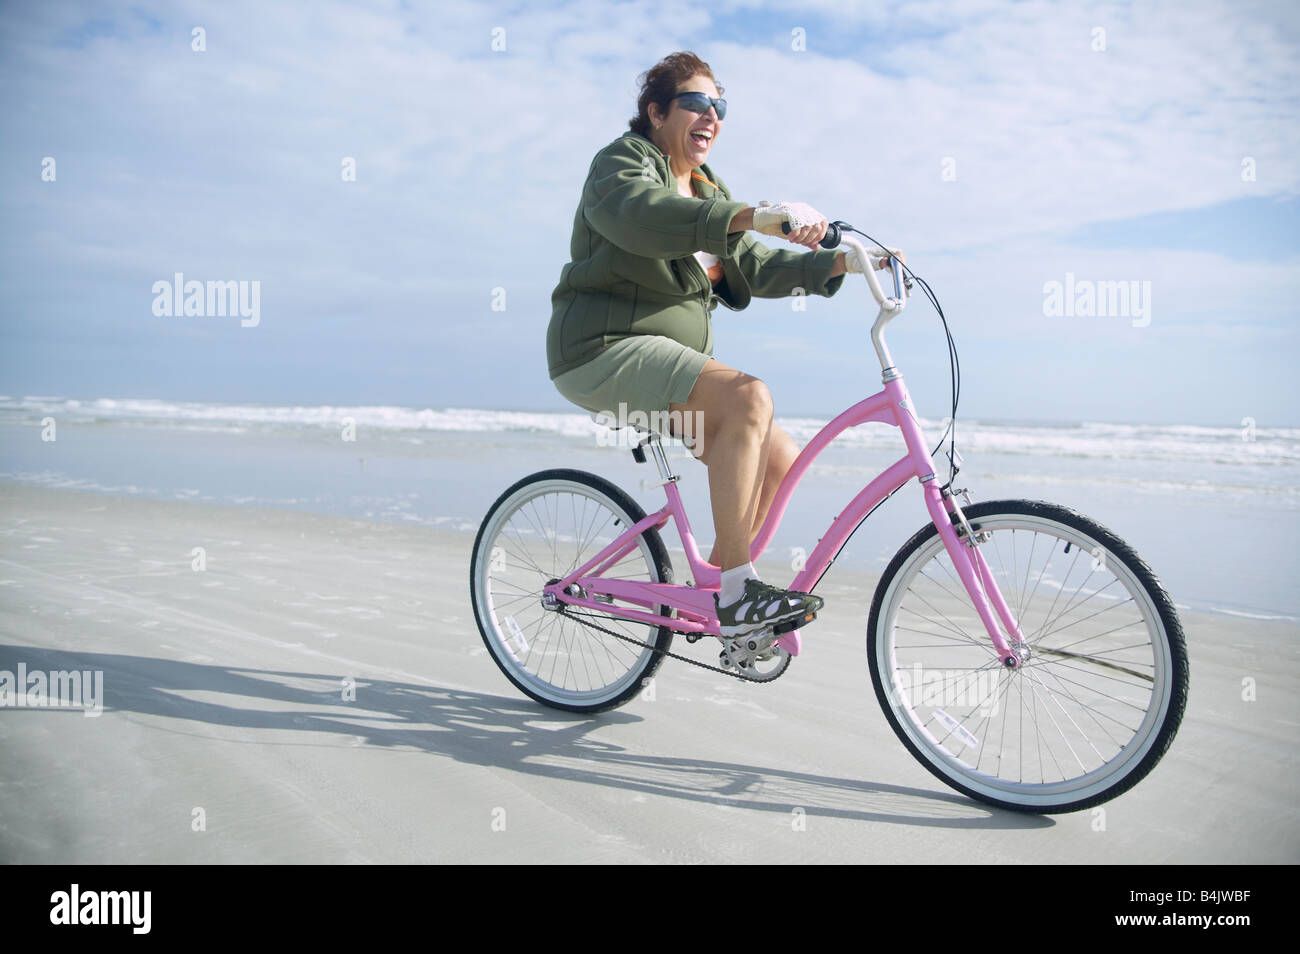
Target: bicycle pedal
790, 626
760, 640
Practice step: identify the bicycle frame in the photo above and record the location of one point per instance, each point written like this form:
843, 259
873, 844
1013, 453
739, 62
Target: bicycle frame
694, 605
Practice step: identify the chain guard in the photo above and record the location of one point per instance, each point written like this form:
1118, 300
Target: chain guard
764, 664
756, 665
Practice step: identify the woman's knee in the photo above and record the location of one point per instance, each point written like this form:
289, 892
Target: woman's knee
725, 400
753, 401
745, 405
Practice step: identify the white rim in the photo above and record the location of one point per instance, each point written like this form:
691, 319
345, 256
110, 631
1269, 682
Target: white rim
1063, 728
543, 531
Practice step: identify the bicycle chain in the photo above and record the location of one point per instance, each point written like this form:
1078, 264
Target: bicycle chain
662, 652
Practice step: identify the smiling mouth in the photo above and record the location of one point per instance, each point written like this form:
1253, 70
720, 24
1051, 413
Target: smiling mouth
702, 138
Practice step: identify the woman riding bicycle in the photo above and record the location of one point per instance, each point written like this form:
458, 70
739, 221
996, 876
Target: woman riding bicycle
657, 242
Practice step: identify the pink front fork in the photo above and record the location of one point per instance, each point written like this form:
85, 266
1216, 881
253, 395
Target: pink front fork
966, 557
976, 577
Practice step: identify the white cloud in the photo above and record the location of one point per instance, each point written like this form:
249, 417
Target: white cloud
470, 162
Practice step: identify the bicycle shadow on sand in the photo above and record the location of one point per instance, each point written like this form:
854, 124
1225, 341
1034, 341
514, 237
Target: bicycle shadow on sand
479, 729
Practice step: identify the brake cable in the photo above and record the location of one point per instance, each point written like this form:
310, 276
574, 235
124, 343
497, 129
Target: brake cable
833, 234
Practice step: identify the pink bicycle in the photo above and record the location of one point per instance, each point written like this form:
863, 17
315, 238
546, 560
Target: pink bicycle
1022, 652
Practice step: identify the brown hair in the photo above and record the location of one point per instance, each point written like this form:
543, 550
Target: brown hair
659, 85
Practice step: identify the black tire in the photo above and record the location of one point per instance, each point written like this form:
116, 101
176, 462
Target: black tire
552, 658
1104, 701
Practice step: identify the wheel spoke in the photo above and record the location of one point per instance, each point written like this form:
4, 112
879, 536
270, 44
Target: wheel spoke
1076, 723
542, 529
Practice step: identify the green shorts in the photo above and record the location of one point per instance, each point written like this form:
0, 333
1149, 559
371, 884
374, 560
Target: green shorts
645, 374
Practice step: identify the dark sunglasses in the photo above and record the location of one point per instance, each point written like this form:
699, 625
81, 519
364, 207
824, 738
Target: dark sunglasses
699, 103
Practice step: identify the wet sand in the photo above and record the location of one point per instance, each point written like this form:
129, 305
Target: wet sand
319, 693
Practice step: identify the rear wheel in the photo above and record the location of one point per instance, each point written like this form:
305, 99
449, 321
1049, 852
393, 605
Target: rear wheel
538, 531
1098, 699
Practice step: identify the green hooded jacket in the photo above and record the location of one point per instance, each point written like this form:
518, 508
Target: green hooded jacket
633, 268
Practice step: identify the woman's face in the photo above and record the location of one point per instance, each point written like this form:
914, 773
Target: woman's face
683, 134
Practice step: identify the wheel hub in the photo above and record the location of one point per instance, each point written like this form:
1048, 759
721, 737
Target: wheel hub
1020, 654
553, 603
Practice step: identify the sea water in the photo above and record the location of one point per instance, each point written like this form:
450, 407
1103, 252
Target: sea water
1213, 510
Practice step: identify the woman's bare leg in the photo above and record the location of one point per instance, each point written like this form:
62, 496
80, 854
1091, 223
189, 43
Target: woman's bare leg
744, 451
781, 454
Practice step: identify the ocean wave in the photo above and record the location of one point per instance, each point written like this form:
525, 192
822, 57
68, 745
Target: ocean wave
1236, 445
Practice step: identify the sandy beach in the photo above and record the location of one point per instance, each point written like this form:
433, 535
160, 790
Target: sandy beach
319, 693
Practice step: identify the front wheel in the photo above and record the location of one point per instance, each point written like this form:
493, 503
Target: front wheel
1102, 689
538, 531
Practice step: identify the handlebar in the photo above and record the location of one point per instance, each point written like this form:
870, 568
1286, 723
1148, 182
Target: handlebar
829, 240
837, 232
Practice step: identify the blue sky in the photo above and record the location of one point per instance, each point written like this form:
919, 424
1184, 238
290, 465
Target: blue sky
1149, 142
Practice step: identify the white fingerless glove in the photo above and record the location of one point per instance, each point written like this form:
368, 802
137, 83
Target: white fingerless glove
854, 264
883, 260
768, 217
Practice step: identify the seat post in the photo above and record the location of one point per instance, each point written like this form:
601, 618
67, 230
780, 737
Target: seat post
657, 451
